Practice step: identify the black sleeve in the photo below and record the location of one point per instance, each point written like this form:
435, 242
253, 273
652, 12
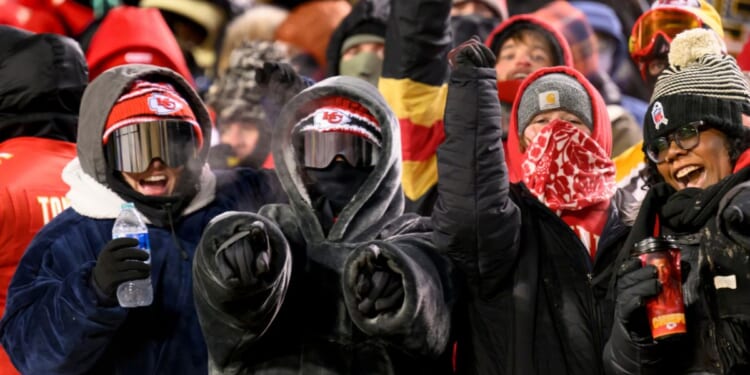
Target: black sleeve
232, 319
476, 222
417, 41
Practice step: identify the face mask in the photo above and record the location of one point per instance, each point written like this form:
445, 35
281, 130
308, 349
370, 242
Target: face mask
365, 65
466, 26
337, 183
566, 169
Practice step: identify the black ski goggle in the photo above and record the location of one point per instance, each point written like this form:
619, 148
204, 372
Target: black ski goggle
321, 148
132, 148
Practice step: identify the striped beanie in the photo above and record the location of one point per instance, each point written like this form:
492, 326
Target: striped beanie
339, 114
700, 84
147, 102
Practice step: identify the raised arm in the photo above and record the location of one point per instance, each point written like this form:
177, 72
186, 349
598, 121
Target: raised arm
476, 223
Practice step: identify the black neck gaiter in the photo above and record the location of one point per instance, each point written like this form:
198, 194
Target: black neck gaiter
333, 187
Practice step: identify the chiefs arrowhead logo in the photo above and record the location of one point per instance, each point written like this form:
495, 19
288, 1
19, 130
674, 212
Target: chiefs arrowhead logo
163, 105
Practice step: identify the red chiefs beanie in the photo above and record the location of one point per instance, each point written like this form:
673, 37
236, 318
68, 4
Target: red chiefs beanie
339, 114
148, 101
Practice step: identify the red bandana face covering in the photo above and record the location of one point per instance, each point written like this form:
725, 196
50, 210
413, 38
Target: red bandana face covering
567, 170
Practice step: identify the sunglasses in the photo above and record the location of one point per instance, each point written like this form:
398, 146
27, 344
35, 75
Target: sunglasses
686, 137
661, 22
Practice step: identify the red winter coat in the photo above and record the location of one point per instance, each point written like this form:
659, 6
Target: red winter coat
31, 193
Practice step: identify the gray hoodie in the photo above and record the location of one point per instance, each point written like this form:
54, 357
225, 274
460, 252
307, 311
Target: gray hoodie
306, 319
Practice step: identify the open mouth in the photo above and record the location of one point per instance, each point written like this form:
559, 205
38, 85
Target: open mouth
153, 185
690, 176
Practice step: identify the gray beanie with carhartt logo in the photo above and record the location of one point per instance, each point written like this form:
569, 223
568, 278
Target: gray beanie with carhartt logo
554, 91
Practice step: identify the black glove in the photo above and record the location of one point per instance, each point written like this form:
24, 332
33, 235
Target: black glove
244, 258
121, 260
736, 217
634, 284
379, 287
471, 54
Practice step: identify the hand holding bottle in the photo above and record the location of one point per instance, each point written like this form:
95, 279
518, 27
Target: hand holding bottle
120, 261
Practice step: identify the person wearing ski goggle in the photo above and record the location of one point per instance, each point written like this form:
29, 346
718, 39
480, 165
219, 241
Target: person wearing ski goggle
150, 136
654, 30
338, 147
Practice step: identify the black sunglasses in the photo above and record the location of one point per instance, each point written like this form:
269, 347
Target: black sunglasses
686, 137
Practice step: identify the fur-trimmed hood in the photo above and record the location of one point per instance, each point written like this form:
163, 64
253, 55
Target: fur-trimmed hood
379, 199
95, 200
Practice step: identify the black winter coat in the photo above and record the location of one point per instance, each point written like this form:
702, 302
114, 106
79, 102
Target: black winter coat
714, 262
535, 303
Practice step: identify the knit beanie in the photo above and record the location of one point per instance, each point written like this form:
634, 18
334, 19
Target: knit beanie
235, 96
699, 84
339, 114
356, 39
146, 102
554, 91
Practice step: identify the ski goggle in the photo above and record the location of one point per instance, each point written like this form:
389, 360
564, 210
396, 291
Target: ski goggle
664, 22
686, 137
131, 148
321, 148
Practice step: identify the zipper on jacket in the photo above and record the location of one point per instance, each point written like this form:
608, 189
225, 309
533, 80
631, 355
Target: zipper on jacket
183, 253
596, 329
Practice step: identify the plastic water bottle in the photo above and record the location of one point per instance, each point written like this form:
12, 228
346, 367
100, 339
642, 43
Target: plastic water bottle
129, 224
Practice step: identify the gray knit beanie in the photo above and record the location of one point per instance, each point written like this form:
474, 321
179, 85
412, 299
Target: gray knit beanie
554, 91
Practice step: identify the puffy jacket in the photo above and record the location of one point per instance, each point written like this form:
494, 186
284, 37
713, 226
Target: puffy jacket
535, 301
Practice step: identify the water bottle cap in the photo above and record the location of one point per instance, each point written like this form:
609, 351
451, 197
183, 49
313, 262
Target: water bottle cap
127, 205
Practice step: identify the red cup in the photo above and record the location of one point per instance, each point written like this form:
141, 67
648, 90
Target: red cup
666, 311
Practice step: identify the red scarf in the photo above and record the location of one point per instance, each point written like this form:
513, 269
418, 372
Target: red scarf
573, 176
743, 161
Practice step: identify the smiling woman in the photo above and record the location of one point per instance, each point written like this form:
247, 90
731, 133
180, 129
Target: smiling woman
699, 198
693, 134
